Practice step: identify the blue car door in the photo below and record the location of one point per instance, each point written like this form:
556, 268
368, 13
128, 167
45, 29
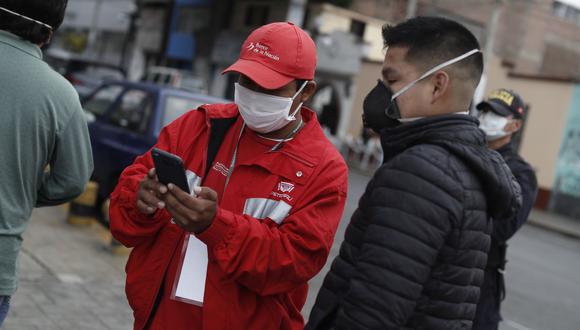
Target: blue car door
123, 134
97, 106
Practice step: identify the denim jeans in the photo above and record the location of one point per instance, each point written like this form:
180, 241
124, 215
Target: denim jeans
4, 306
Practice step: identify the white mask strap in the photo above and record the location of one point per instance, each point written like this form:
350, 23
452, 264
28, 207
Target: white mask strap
292, 116
300, 89
26, 18
434, 69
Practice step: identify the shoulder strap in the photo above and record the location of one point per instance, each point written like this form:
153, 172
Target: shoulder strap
218, 130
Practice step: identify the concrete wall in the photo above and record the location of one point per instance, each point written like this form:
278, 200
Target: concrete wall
391, 10
370, 71
525, 30
330, 22
549, 105
330, 18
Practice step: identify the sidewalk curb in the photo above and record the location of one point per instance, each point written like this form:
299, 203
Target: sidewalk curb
106, 238
554, 227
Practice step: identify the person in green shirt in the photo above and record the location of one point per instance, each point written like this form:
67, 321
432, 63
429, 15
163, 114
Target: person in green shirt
45, 151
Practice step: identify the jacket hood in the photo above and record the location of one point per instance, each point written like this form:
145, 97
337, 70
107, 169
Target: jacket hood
460, 135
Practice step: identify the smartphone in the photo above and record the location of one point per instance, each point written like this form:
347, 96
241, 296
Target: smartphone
169, 169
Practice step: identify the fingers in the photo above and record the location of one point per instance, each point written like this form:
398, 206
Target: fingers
148, 196
190, 213
144, 208
180, 199
179, 194
188, 219
179, 210
150, 199
151, 183
206, 193
184, 203
181, 221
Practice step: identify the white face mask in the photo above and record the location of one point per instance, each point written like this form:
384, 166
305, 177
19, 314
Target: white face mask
264, 113
492, 124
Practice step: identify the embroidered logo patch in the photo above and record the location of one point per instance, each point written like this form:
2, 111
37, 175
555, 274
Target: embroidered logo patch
285, 187
221, 168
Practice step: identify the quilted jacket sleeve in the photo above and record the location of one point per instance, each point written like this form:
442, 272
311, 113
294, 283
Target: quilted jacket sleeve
412, 205
526, 178
128, 225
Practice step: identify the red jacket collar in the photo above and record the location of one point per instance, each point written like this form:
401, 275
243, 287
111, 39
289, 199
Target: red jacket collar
306, 145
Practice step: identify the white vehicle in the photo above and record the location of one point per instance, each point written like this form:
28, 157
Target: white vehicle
176, 78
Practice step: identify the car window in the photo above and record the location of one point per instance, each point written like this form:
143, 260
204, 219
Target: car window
176, 106
193, 84
101, 101
133, 111
103, 73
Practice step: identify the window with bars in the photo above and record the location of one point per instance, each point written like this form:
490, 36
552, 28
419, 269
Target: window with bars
566, 12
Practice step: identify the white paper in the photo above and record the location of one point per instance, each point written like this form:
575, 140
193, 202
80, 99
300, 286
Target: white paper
191, 281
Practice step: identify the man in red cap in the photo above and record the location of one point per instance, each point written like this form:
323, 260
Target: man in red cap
268, 193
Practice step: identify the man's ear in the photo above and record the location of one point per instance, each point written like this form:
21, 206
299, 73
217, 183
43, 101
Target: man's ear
440, 85
42, 45
513, 126
308, 91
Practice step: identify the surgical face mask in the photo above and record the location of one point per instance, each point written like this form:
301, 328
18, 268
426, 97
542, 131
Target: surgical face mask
492, 124
264, 113
381, 101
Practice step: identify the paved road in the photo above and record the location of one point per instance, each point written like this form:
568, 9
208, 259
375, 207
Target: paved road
543, 276
70, 282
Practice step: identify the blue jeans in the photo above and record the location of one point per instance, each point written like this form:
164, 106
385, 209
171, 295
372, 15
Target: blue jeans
4, 306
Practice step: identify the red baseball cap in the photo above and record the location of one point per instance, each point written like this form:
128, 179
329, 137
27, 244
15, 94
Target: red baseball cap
275, 54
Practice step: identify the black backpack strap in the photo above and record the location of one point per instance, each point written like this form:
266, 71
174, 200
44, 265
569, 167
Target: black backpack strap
219, 127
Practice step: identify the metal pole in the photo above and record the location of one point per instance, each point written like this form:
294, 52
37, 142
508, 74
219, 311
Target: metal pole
411, 8
492, 30
488, 50
296, 12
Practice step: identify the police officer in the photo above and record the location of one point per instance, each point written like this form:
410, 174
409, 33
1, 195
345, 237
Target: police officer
500, 117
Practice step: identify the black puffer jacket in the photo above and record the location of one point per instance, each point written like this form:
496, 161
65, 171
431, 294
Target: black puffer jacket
416, 247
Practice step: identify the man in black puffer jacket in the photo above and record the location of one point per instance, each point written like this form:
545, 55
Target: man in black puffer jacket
415, 251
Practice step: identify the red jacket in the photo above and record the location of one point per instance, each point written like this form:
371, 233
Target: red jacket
258, 268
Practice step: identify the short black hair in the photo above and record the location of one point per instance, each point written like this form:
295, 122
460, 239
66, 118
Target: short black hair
299, 83
49, 12
434, 40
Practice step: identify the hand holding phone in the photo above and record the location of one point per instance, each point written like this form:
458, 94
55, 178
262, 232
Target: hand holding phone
170, 169
148, 196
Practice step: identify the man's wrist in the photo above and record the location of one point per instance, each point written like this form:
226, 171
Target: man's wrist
203, 226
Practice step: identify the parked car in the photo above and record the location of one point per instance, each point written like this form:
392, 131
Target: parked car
83, 73
125, 119
175, 78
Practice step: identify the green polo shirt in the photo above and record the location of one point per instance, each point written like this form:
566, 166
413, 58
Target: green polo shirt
45, 151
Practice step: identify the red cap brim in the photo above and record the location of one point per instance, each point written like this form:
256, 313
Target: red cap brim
260, 74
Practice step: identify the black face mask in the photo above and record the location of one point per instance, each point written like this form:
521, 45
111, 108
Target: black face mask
379, 111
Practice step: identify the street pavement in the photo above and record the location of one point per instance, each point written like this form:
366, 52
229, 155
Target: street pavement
70, 281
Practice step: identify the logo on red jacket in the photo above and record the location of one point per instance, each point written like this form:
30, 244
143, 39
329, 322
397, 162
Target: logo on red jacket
285, 187
221, 168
